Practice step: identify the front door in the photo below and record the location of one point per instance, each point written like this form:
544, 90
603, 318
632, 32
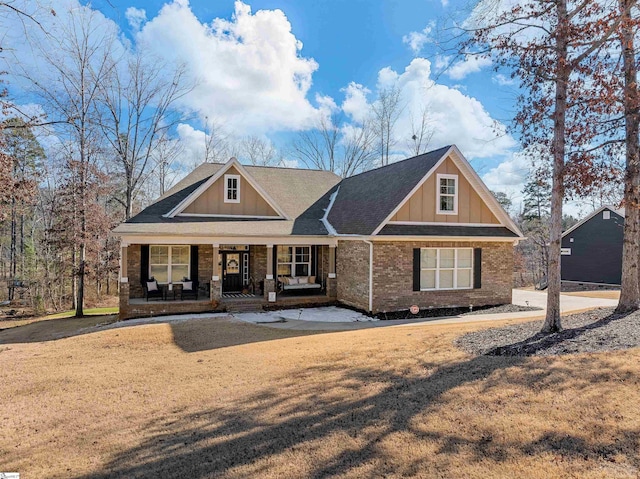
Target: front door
231, 272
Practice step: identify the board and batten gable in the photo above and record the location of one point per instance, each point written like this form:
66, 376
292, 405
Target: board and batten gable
592, 252
211, 201
421, 206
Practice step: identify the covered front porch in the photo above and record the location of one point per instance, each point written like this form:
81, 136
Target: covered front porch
236, 275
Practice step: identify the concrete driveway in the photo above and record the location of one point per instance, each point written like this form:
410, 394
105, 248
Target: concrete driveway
567, 303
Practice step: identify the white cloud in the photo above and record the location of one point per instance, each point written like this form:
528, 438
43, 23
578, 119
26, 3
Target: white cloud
249, 70
470, 64
456, 118
503, 80
136, 17
417, 40
511, 173
355, 103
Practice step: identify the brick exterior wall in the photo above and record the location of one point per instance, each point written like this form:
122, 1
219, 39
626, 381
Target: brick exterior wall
352, 269
133, 271
205, 263
257, 263
393, 276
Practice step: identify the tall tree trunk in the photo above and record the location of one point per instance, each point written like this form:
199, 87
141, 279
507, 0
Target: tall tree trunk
552, 321
13, 257
630, 286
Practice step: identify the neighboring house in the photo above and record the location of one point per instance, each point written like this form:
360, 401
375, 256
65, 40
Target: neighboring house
424, 231
592, 250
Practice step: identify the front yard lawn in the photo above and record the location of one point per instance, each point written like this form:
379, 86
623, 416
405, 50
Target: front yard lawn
219, 398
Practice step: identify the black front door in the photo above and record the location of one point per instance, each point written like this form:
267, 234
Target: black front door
231, 272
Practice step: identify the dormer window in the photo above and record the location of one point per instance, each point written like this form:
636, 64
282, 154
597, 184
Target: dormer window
447, 194
232, 188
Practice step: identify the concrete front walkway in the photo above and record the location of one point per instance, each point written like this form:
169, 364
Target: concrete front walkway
521, 297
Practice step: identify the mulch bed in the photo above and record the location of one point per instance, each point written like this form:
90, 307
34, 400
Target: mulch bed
589, 332
445, 312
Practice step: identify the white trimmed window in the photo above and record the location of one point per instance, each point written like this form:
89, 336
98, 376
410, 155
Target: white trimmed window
447, 194
446, 268
169, 263
294, 261
232, 188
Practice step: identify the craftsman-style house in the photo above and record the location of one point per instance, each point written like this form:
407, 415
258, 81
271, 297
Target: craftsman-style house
424, 231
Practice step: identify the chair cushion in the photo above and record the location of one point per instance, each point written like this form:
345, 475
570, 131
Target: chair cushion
152, 286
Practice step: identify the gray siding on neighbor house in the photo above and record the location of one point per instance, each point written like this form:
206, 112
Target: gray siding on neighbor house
596, 251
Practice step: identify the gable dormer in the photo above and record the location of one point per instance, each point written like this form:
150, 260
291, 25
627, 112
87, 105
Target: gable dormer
446, 197
231, 192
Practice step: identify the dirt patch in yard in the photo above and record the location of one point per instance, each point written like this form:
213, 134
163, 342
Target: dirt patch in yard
610, 294
389, 402
587, 332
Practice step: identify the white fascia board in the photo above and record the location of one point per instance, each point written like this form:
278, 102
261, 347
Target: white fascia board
172, 238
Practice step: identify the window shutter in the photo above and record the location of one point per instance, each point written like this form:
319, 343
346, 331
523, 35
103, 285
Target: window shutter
144, 263
194, 262
416, 269
275, 261
477, 268
314, 262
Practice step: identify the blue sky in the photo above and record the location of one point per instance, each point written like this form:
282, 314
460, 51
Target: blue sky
255, 78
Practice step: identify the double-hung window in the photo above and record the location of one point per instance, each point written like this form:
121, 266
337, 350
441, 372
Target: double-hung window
232, 188
446, 268
294, 261
447, 194
169, 263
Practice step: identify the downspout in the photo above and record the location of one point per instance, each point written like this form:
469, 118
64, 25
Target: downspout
370, 274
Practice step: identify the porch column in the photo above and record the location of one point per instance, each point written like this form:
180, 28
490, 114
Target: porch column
269, 281
216, 284
124, 282
332, 282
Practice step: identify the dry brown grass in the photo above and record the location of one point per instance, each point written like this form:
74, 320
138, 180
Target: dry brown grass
210, 398
596, 294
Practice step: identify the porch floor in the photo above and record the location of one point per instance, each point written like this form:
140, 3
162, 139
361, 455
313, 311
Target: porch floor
168, 301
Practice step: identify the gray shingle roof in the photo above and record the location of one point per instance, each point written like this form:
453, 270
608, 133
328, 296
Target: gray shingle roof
301, 193
364, 201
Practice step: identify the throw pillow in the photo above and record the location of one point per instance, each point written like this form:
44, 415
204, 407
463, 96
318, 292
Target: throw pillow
303, 280
152, 286
312, 279
187, 285
293, 281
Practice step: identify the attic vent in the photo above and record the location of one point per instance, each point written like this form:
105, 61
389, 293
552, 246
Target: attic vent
606, 215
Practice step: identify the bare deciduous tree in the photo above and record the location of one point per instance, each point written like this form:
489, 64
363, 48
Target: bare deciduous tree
333, 146
421, 131
138, 104
79, 57
385, 112
258, 151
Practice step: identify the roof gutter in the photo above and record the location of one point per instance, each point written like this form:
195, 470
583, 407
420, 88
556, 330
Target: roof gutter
370, 243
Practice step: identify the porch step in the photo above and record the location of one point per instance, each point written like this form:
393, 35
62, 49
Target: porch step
244, 306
